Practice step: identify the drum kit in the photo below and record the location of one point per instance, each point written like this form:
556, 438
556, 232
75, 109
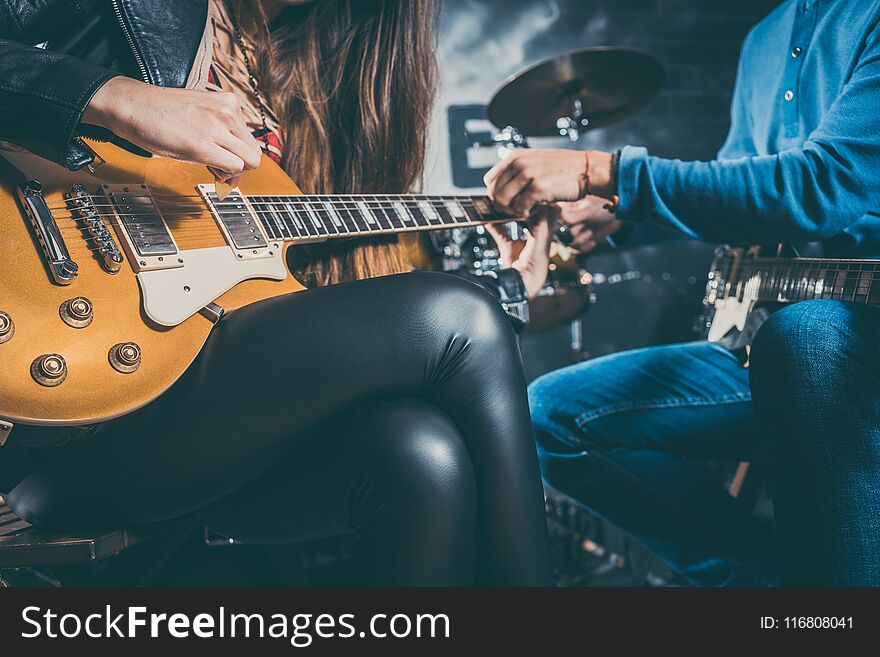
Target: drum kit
564, 96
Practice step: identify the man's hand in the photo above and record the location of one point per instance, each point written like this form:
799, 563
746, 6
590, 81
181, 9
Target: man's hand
588, 222
204, 127
530, 257
531, 177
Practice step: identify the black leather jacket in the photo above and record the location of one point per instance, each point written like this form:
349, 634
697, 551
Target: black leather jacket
55, 54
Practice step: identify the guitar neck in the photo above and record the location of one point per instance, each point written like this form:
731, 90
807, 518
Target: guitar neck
307, 218
789, 280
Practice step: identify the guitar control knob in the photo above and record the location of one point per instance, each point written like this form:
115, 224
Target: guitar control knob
77, 312
7, 328
125, 357
49, 370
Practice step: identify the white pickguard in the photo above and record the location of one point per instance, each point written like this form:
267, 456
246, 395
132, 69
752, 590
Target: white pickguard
173, 295
729, 313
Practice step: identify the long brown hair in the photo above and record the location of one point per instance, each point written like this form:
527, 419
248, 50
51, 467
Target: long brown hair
353, 83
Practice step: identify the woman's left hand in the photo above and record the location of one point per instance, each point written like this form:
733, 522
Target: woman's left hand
531, 256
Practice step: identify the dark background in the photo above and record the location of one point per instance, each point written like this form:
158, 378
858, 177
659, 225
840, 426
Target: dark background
647, 295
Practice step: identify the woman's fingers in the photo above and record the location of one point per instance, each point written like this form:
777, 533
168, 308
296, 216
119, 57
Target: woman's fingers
500, 235
221, 162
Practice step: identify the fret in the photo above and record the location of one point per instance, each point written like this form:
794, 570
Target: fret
358, 221
323, 216
317, 220
367, 214
296, 221
337, 218
456, 210
800, 289
272, 224
873, 294
806, 287
387, 217
384, 215
415, 211
795, 281
280, 226
278, 221
470, 209
839, 283
268, 225
821, 287
810, 291
485, 208
429, 212
863, 287
778, 281
849, 287
791, 280
446, 217
405, 217
298, 225
311, 220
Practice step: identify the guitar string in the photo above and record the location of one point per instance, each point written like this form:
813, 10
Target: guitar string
299, 207
349, 205
857, 280
361, 224
308, 214
308, 231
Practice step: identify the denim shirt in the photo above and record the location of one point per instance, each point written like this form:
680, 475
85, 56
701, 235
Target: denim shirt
802, 160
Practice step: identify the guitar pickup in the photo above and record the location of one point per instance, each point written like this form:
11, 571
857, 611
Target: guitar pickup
144, 233
62, 267
238, 222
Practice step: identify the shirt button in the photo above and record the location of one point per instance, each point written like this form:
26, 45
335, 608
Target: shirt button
797, 52
789, 94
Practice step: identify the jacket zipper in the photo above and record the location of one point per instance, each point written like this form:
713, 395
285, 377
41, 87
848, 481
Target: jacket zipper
127, 33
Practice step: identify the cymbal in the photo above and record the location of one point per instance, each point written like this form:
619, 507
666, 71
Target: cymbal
595, 87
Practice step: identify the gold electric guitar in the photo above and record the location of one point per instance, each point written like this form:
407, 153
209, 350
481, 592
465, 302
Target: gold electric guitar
111, 279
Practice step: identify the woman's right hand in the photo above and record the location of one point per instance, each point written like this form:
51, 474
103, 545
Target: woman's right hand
204, 127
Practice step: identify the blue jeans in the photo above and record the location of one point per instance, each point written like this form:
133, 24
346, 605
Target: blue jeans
620, 435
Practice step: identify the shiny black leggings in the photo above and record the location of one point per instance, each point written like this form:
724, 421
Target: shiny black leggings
394, 409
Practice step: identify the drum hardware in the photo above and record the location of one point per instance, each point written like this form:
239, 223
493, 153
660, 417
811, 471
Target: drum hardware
507, 140
573, 126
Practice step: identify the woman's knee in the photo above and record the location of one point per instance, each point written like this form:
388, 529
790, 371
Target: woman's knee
447, 301
413, 458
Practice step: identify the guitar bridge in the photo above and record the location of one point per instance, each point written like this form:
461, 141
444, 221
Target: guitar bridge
82, 206
62, 267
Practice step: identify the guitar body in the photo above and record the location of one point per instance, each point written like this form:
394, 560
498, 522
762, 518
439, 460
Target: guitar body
93, 390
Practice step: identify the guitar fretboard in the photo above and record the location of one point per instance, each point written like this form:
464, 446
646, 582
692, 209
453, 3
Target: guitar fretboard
789, 280
309, 218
